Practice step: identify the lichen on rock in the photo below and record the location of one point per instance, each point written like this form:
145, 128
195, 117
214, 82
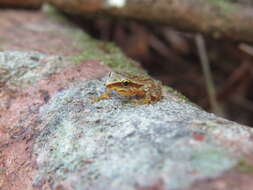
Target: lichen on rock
22, 68
114, 144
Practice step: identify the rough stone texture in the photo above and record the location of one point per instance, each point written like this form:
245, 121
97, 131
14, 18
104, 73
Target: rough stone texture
21, 3
113, 144
52, 136
28, 80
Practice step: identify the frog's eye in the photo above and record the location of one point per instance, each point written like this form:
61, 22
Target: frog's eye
125, 82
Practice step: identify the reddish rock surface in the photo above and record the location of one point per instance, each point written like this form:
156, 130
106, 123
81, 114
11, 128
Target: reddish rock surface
19, 105
230, 180
33, 30
16, 153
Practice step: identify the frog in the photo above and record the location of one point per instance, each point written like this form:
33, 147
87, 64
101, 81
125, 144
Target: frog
143, 89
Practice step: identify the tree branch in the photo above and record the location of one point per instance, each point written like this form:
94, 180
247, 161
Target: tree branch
216, 18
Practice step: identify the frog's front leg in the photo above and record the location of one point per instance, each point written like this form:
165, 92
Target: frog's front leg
145, 100
107, 94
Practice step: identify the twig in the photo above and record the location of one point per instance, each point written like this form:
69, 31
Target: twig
207, 74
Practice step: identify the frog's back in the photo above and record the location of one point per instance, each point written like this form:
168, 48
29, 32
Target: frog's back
154, 87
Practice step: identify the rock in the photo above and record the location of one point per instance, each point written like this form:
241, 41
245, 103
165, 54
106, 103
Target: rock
33, 30
52, 136
113, 144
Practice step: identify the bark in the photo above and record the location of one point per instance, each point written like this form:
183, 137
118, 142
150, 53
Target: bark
21, 3
219, 19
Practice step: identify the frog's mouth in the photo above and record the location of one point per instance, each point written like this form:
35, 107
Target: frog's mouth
125, 92
122, 91
120, 85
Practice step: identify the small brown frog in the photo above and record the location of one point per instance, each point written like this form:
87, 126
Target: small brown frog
144, 89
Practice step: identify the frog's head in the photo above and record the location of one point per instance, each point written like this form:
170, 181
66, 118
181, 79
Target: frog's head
124, 83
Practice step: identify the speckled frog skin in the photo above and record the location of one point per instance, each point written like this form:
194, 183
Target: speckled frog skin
143, 89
